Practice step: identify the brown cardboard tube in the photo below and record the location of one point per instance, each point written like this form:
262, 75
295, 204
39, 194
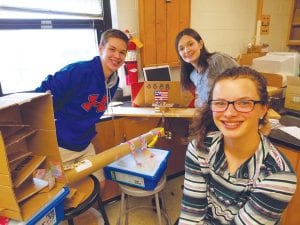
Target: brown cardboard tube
102, 159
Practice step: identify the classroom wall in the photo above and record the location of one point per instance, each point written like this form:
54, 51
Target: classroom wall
225, 25
280, 11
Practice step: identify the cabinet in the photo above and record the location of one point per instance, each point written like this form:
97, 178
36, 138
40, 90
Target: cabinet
178, 128
159, 23
27, 142
294, 28
290, 216
109, 134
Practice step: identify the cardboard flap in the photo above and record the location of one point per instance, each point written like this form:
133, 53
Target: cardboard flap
75, 200
10, 120
26, 168
293, 81
19, 136
8, 200
138, 94
292, 95
4, 167
16, 156
29, 188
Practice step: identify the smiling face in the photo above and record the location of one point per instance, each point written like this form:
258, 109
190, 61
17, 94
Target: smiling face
234, 124
189, 49
112, 55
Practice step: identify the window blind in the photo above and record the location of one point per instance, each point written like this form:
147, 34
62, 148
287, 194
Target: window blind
51, 9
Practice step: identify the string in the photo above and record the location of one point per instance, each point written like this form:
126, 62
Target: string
133, 152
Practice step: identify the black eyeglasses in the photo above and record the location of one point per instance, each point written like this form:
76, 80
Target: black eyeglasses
239, 105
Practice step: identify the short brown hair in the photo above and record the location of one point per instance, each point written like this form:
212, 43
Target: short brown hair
113, 33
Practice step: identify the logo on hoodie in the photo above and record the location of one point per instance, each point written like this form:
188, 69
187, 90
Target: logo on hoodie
93, 103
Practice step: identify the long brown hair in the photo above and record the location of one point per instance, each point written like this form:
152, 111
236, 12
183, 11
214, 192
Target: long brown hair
187, 68
203, 121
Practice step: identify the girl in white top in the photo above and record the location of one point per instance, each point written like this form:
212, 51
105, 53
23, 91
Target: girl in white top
199, 67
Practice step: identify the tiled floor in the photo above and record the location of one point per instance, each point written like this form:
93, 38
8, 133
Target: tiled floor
144, 216
172, 195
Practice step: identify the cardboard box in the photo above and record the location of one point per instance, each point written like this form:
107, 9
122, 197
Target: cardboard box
27, 142
254, 49
247, 58
145, 175
51, 213
292, 95
142, 93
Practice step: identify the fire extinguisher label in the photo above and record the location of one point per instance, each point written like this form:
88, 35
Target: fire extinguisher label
131, 56
133, 70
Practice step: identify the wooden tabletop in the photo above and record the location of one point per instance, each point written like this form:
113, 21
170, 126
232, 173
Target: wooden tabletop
150, 112
170, 112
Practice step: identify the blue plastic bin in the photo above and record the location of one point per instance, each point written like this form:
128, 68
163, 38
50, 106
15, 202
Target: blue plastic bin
53, 212
146, 175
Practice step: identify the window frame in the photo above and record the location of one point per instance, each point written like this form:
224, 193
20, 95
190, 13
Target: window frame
99, 24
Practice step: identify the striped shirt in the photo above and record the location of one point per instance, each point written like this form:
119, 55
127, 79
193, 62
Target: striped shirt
257, 193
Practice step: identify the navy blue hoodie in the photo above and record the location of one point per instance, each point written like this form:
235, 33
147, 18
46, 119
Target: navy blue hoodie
80, 98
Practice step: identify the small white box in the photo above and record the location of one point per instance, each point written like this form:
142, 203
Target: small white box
285, 63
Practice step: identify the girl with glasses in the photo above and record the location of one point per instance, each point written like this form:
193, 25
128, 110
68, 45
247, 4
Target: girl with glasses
235, 175
199, 67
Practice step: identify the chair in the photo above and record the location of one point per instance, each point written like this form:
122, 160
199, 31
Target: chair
137, 192
92, 183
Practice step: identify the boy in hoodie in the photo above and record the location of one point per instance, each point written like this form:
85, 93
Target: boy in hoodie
81, 92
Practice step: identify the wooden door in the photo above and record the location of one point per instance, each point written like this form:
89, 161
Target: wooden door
147, 28
159, 23
177, 18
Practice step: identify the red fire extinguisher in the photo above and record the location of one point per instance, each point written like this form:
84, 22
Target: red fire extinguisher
131, 66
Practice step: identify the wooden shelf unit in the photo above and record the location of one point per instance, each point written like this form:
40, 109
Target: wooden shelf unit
27, 142
293, 38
